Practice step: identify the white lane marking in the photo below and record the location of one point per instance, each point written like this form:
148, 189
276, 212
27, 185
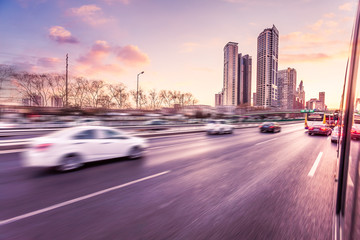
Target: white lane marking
12, 151
30, 214
315, 165
350, 182
328, 138
266, 141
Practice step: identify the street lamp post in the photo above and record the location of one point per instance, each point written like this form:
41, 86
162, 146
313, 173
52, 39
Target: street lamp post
137, 90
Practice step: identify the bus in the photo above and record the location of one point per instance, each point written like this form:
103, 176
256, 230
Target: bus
320, 118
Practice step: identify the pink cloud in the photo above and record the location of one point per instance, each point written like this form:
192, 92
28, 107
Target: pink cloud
103, 58
90, 14
99, 51
61, 35
131, 55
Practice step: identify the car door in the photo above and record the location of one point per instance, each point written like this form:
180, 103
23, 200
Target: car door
86, 143
114, 143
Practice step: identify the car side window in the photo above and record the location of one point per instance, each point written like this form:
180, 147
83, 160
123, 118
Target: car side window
87, 134
110, 134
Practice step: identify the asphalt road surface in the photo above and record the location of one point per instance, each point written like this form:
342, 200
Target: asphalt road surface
247, 185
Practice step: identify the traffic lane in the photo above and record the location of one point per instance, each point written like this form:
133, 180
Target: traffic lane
261, 165
195, 137
215, 145
27, 186
214, 199
303, 205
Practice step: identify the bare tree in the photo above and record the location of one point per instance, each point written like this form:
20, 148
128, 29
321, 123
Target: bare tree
142, 98
79, 92
165, 98
6, 72
189, 99
104, 101
96, 90
57, 85
120, 95
154, 99
33, 87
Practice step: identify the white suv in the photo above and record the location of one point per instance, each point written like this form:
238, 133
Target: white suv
218, 126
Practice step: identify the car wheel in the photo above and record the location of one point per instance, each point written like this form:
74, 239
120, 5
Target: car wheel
231, 130
310, 134
135, 152
70, 162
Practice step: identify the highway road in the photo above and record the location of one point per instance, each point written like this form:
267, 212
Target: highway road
247, 185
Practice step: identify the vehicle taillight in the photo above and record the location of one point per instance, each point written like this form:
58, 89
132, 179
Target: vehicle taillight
353, 131
43, 146
271, 126
357, 132
311, 128
323, 129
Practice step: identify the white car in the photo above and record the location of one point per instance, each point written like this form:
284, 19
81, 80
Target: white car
70, 148
335, 134
88, 122
218, 126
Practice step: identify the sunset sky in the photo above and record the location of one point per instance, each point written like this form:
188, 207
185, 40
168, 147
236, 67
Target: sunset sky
179, 44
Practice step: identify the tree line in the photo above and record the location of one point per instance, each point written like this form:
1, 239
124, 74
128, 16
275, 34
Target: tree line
43, 89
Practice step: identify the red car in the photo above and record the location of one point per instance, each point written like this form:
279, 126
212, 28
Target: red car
320, 129
355, 132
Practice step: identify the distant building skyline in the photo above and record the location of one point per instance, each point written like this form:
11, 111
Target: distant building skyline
317, 104
300, 96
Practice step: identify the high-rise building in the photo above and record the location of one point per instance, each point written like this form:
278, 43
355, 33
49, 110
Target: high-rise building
237, 77
267, 67
230, 86
287, 88
245, 69
254, 99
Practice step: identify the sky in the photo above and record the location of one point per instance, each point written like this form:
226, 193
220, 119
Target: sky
177, 43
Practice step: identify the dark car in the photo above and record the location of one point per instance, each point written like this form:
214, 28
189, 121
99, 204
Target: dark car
270, 127
355, 132
320, 129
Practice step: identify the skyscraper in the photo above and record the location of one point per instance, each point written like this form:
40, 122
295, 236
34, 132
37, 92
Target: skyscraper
230, 86
267, 67
245, 68
286, 80
237, 76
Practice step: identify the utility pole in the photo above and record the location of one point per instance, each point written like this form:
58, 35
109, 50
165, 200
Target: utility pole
66, 90
137, 89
